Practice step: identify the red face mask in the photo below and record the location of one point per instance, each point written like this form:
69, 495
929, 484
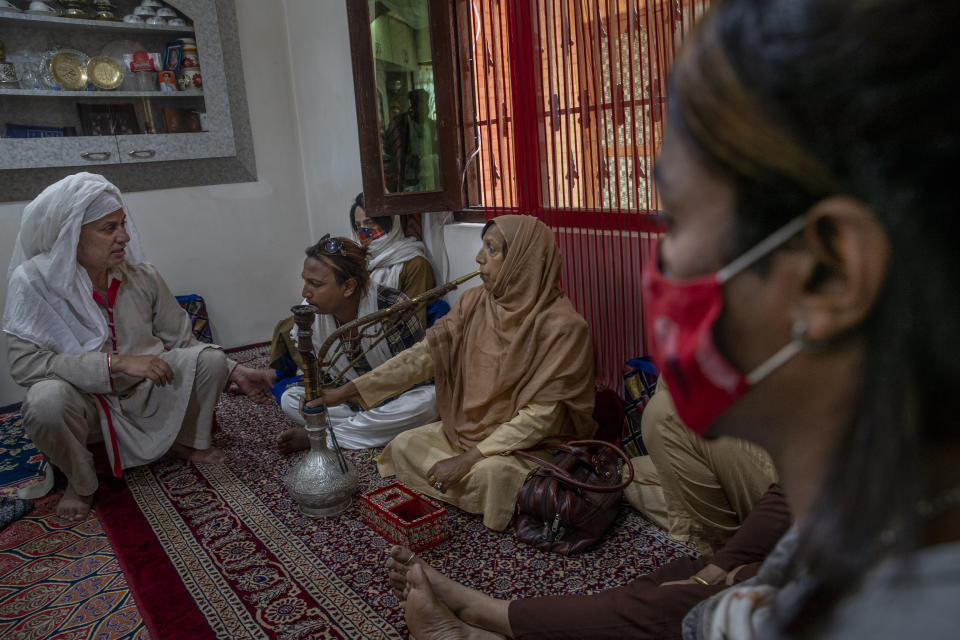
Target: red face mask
369, 234
681, 316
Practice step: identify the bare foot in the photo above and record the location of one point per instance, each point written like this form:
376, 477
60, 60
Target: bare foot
469, 605
428, 618
210, 455
73, 506
294, 439
402, 560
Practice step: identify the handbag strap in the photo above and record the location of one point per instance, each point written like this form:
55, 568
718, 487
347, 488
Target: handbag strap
578, 448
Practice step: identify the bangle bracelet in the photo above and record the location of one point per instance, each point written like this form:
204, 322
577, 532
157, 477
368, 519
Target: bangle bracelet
700, 580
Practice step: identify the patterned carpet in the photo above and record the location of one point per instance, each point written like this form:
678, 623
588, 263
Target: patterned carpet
62, 581
21, 464
226, 545
257, 568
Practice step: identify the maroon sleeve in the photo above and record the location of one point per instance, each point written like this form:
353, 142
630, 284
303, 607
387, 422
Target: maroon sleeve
640, 609
760, 531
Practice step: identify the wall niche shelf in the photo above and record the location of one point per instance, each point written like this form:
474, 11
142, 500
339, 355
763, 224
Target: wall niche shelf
56, 23
221, 153
93, 95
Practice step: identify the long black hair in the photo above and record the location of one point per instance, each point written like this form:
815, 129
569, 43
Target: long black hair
796, 100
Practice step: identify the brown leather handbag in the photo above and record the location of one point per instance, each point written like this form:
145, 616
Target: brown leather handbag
568, 502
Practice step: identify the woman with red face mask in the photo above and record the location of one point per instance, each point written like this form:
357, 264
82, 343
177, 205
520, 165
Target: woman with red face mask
394, 259
804, 298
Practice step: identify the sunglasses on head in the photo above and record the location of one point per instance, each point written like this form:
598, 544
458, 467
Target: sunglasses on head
331, 245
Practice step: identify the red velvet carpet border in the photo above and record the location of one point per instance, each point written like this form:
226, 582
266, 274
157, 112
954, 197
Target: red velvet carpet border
167, 609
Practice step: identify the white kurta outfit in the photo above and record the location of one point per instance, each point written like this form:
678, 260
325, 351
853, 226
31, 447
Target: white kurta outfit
374, 427
70, 395
60, 341
389, 254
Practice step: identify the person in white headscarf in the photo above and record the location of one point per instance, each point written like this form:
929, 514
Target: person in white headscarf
101, 344
396, 260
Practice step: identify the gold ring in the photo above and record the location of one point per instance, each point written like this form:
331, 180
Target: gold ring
437, 485
410, 559
432, 479
700, 580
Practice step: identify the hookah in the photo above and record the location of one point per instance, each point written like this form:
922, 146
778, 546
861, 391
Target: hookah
324, 481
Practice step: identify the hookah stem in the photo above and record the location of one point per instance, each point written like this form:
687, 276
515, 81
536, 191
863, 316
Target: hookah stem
313, 364
401, 307
341, 460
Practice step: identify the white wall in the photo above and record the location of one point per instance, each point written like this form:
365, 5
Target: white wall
462, 241
239, 246
319, 49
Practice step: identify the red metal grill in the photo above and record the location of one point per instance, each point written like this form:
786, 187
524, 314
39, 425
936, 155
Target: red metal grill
569, 120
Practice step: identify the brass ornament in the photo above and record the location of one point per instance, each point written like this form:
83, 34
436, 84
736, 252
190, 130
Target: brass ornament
105, 72
69, 72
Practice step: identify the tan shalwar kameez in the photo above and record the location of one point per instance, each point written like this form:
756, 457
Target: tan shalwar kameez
491, 486
512, 365
699, 490
63, 402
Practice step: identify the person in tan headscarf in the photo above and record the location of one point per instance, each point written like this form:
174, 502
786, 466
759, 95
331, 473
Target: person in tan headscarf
513, 365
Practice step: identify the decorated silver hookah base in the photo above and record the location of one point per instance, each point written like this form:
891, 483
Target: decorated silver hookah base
324, 481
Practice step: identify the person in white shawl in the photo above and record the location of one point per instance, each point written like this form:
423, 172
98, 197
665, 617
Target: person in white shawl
101, 344
336, 281
394, 259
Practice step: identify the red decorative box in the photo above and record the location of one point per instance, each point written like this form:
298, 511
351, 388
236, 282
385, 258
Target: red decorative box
403, 516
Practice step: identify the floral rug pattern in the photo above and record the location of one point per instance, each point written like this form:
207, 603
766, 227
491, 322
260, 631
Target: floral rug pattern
21, 463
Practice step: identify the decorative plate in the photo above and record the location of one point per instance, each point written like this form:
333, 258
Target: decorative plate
105, 72
72, 66
69, 72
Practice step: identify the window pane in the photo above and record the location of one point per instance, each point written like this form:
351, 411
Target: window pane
406, 96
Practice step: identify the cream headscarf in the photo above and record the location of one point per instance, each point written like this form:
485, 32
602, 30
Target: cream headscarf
49, 296
522, 342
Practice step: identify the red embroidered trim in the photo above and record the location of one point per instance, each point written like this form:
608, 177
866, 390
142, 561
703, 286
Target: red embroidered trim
108, 305
117, 469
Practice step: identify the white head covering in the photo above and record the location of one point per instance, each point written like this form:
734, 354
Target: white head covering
49, 295
389, 252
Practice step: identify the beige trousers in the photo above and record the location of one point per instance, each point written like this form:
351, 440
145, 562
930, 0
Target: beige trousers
490, 487
62, 420
699, 490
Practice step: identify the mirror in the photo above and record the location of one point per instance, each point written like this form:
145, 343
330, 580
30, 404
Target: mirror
405, 95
